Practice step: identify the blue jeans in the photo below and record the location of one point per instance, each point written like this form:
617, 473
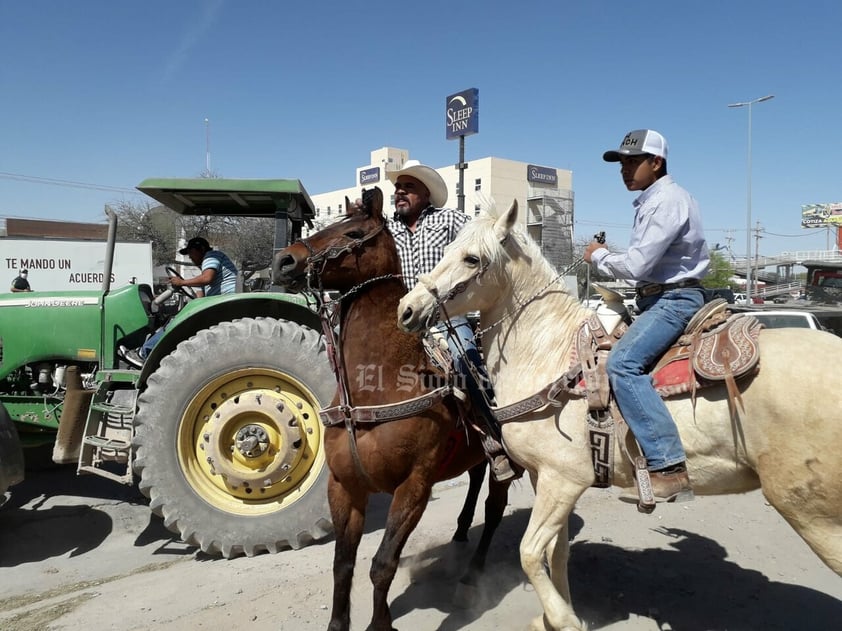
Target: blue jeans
150, 342
464, 357
662, 320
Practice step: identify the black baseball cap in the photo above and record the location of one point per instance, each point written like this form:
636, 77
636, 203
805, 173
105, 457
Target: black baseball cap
196, 243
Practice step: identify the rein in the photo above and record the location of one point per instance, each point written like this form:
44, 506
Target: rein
333, 252
550, 393
329, 311
460, 287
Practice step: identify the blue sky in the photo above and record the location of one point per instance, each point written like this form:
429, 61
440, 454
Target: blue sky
109, 93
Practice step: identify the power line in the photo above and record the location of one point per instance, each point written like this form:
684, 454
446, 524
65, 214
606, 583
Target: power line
67, 183
606, 224
793, 236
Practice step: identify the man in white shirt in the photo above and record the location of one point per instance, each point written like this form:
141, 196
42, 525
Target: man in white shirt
667, 258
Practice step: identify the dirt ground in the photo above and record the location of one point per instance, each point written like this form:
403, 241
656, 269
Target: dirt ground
85, 553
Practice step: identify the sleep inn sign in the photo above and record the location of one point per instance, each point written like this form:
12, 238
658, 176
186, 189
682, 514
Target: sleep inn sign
462, 113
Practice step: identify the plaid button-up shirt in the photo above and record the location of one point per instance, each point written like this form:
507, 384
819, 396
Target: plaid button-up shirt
421, 250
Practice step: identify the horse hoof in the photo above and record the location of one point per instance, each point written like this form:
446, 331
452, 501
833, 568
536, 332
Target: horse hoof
465, 596
540, 624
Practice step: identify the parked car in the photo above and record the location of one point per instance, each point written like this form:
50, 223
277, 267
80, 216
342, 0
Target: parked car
786, 319
723, 292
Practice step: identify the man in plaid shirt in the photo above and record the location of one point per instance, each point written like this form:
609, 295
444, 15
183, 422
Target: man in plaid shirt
422, 227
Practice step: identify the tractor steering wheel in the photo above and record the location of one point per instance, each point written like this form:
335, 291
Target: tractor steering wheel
187, 291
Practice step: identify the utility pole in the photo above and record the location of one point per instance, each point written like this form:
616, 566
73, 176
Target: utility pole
757, 238
207, 148
728, 239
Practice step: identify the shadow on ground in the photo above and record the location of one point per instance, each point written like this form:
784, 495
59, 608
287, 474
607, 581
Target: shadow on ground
692, 587
689, 587
54, 512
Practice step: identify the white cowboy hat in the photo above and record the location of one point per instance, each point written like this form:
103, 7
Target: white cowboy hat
427, 176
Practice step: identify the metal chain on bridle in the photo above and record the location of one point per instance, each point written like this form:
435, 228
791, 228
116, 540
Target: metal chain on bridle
521, 304
458, 288
315, 289
477, 336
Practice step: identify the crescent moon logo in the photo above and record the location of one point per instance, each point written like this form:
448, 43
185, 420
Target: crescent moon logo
459, 99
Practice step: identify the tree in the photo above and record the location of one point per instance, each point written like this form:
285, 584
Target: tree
149, 222
720, 272
248, 241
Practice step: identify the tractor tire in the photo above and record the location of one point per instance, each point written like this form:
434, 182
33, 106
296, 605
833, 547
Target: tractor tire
228, 442
11, 454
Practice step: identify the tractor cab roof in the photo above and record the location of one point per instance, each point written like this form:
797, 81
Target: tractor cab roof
231, 198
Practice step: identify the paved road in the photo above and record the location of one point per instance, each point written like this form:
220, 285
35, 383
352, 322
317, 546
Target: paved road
84, 553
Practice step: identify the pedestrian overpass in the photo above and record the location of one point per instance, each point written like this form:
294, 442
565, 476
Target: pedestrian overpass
783, 264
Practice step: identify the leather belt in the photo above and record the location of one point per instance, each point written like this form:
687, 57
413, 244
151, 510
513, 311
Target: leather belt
653, 289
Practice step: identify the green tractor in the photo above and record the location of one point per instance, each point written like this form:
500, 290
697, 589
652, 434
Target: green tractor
220, 426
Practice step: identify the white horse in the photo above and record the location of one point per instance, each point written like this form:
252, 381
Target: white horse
787, 440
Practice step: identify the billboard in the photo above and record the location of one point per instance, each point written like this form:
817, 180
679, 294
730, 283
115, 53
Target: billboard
61, 265
818, 215
462, 113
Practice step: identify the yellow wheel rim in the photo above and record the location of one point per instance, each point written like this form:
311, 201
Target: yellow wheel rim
249, 442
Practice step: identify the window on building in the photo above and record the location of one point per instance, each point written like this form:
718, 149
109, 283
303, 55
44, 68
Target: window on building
478, 184
476, 210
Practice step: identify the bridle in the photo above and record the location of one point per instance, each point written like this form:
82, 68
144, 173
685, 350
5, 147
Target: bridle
461, 286
332, 252
329, 311
454, 291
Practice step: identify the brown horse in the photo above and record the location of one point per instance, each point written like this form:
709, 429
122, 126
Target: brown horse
380, 368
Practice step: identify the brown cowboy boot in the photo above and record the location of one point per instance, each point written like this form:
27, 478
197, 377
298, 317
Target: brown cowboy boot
668, 485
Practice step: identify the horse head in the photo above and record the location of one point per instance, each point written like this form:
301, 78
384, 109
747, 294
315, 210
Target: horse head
471, 274
343, 254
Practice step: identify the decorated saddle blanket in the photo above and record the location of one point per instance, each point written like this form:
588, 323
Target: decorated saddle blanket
728, 351
716, 346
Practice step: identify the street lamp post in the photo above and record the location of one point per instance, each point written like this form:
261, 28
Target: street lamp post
207, 148
748, 194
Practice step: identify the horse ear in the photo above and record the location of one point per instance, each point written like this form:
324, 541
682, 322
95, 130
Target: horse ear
505, 222
351, 208
373, 202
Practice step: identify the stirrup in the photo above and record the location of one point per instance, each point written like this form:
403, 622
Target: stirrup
646, 503
504, 468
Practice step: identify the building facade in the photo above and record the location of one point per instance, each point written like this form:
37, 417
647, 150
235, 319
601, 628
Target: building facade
544, 195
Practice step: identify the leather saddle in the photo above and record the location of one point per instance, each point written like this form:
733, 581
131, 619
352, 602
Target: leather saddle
716, 346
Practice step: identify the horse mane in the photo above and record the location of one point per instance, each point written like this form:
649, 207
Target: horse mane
520, 248
518, 264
